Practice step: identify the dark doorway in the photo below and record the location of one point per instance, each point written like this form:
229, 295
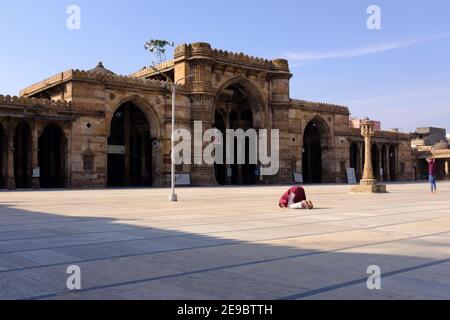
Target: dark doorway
355, 160
221, 169
392, 163
312, 154
422, 170
52, 157
129, 148
22, 155
376, 161
234, 112
3, 151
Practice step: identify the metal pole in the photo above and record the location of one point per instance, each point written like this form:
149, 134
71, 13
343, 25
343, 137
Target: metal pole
173, 196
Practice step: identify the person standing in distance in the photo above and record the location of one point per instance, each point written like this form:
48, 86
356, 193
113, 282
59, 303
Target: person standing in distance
432, 174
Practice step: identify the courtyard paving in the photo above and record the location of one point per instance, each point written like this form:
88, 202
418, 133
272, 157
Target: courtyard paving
225, 243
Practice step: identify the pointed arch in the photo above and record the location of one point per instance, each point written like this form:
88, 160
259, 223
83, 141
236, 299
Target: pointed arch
147, 109
317, 157
239, 104
258, 104
134, 152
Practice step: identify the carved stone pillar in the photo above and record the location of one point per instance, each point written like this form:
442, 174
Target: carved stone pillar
203, 111
156, 163
447, 169
228, 167
361, 160
280, 120
202, 106
367, 133
397, 162
10, 178
387, 175
68, 155
35, 183
368, 184
381, 162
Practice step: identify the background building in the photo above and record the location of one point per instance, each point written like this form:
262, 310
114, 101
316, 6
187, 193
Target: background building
429, 142
356, 123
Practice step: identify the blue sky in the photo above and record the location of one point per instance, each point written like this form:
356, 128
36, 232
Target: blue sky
399, 74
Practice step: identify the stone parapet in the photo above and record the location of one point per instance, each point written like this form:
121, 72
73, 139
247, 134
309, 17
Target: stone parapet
33, 102
148, 71
378, 134
77, 74
320, 107
202, 49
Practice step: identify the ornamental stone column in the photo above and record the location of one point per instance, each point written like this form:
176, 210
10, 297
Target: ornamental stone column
447, 169
68, 156
10, 178
386, 165
368, 183
35, 179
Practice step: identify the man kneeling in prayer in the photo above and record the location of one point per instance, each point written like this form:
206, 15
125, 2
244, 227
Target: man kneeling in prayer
295, 198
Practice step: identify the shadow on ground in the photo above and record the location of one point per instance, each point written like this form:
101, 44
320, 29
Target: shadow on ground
124, 261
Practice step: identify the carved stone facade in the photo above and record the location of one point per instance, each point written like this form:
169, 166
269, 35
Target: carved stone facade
112, 130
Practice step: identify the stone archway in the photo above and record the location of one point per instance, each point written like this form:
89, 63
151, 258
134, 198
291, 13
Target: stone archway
22, 155
52, 147
141, 163
238, 105
317, 152
129, 148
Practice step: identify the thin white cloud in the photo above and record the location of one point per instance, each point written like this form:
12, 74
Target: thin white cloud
409, 109
406, 96
359, 52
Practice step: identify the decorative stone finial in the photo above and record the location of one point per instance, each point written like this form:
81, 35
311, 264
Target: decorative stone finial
100, 69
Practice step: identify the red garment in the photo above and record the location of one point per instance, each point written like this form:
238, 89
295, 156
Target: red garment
432, 168
300, 196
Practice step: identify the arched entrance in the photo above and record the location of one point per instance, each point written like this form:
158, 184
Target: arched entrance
22, 155
355, 160
236, 108
392, 163
129, 148
51, 157
316, 159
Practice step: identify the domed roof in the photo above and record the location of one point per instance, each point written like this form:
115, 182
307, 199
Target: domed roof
441, 145
101, 69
